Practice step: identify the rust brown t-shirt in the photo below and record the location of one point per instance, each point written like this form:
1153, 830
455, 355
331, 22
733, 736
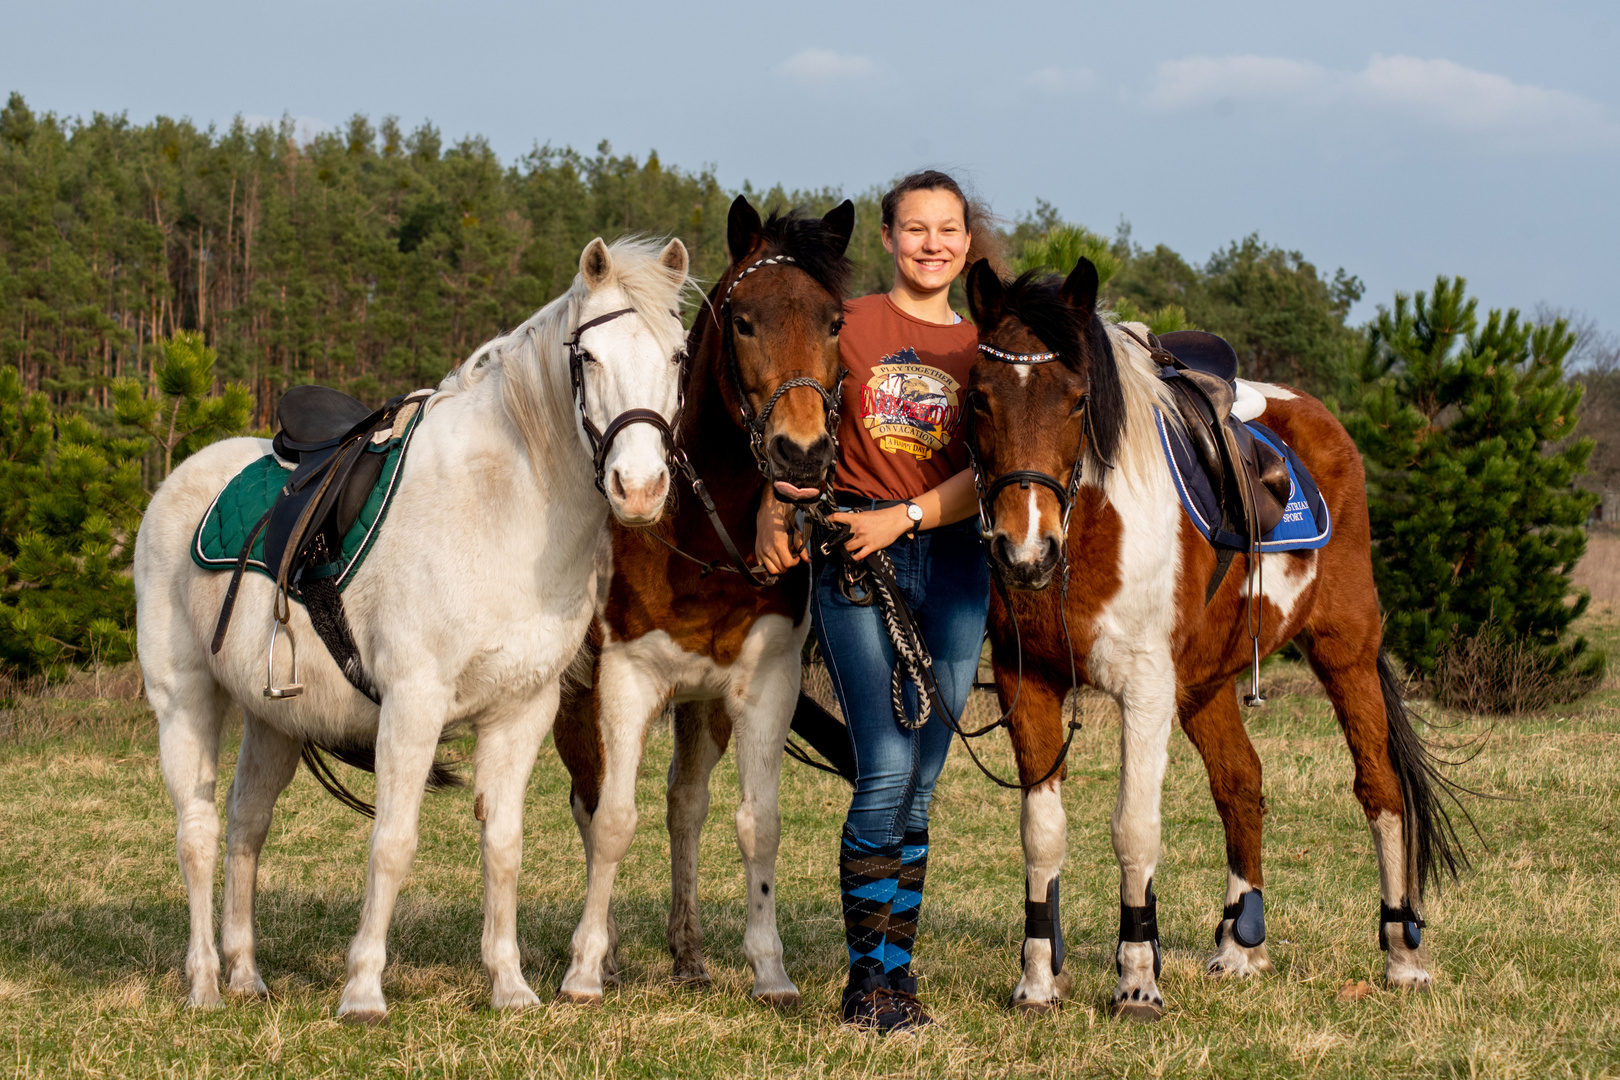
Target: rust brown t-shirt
900, 432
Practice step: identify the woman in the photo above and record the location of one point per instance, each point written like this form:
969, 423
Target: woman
902, 485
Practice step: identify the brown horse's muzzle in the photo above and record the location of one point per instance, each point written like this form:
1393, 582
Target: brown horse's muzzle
1027, 565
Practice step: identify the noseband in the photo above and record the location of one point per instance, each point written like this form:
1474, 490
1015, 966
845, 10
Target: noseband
755, 423
602, 440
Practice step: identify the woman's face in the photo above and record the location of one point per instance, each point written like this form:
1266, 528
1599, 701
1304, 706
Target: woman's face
929, 240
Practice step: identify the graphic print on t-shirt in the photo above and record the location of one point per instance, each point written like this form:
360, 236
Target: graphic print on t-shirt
909, 407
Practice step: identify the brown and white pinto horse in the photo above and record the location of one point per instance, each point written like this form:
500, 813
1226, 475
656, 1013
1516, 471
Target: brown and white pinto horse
760, 398
1137, 572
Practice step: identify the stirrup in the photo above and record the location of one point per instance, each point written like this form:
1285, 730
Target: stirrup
1254, 699
289, 690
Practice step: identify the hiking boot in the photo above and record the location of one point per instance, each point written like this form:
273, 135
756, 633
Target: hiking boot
903, 990
871, 1005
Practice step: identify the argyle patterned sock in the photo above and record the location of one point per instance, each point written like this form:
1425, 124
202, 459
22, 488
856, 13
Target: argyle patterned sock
866, 878
902, 932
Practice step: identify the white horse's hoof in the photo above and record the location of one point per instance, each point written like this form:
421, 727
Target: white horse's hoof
1407, 978
364, 1017
1232, 960
360, 1007
1142, 1011
520, 997
780, 1000
204, 997
575, 997
249, 986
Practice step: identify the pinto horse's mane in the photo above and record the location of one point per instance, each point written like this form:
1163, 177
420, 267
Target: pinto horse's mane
533, 357
1121, 378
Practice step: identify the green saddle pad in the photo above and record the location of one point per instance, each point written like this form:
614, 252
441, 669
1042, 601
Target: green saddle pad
236, 509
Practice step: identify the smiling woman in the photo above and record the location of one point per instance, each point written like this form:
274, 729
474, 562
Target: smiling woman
902, 487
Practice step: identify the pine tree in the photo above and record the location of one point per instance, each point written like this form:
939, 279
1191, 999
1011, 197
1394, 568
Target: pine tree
72, 501
1465, 429
187, 415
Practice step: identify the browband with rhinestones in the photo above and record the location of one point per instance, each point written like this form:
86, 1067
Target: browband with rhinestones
1019, 358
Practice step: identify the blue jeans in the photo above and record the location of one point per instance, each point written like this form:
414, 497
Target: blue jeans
945, 579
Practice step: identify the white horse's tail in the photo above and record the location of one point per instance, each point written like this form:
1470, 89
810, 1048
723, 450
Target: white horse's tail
362, 755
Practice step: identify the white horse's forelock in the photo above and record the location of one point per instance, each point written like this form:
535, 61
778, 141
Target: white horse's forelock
1139, 452
532, 359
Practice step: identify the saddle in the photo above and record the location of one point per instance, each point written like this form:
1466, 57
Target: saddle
1250, 479
326, 434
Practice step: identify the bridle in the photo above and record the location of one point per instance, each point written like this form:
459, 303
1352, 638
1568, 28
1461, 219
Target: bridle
601, 439
754, 423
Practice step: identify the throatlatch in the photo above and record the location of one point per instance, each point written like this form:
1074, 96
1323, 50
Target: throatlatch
1139, 924
1248, 917
1412, 924
1042, 920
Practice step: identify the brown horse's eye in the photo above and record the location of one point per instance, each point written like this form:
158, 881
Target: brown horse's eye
838, 324
742, 326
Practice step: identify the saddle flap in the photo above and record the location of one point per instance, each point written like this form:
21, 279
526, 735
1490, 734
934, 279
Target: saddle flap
1203, 352
315, 417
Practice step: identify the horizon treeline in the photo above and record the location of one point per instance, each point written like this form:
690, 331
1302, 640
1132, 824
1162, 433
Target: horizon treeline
374, 259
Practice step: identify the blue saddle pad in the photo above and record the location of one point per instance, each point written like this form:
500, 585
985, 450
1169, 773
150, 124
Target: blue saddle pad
1305, 523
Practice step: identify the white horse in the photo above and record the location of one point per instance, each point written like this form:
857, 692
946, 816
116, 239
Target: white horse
472, 601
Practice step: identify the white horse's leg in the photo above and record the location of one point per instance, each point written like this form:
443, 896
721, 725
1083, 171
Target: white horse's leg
508, 741
628, 698
1045, 830
190, 708
1147, 712
702, 729
761, 724
407, 737
266, 764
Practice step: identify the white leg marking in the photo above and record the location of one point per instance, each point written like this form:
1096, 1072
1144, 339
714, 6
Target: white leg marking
1146, 717
1045, 831
1231, 958
1404, 968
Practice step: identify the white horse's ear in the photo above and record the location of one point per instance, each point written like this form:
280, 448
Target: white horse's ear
595, 263
674, 257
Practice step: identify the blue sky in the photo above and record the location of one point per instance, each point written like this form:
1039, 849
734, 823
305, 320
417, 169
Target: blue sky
1397, 140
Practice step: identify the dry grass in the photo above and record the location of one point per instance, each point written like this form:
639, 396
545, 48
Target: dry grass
1526, 946
1600, 569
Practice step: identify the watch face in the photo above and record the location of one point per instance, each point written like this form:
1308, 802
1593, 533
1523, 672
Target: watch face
913, 511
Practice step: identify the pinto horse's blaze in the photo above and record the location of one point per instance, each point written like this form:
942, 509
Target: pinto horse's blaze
1142, 632
726, 651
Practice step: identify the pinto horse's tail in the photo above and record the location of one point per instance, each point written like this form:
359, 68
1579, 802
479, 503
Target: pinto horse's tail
362, 755
1432, 843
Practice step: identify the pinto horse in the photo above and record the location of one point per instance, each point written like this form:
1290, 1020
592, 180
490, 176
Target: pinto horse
681, 619
1130, 618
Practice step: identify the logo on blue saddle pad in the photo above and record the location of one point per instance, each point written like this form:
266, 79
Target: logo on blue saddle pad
1305, 524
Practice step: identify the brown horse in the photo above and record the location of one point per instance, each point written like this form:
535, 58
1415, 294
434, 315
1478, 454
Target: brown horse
760, 404
1131, 619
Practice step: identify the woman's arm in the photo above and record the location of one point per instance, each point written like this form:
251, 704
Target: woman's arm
870, 530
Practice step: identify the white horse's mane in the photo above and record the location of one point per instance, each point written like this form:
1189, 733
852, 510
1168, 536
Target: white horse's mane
1139, 450
532, 359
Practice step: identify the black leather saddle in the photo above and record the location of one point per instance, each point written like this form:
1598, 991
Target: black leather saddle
1249, 478
336, 443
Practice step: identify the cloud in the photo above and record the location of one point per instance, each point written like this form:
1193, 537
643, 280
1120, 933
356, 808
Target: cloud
1060, 80
1439, 93
824, 65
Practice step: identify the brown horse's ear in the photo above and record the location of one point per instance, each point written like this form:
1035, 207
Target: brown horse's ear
841, 220
1080, 289
742, 228
985, 294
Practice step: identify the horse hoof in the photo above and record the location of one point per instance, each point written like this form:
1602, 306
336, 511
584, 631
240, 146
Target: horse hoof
1143, 1012
1036, 1008
364, 1018
691, 978
570, 997
783, 1001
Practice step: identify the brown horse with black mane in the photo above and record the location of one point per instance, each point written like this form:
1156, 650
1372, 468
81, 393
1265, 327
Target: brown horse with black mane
1140, 628
681, 618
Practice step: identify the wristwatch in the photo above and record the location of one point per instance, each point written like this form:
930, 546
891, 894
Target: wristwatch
914, 512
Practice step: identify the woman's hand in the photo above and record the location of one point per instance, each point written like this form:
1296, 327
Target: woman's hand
777, 545
873, 530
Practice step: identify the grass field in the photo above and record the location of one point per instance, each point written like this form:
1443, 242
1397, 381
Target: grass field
1526, 947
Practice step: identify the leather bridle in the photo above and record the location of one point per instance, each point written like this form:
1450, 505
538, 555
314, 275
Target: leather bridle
754, 423
601, 439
